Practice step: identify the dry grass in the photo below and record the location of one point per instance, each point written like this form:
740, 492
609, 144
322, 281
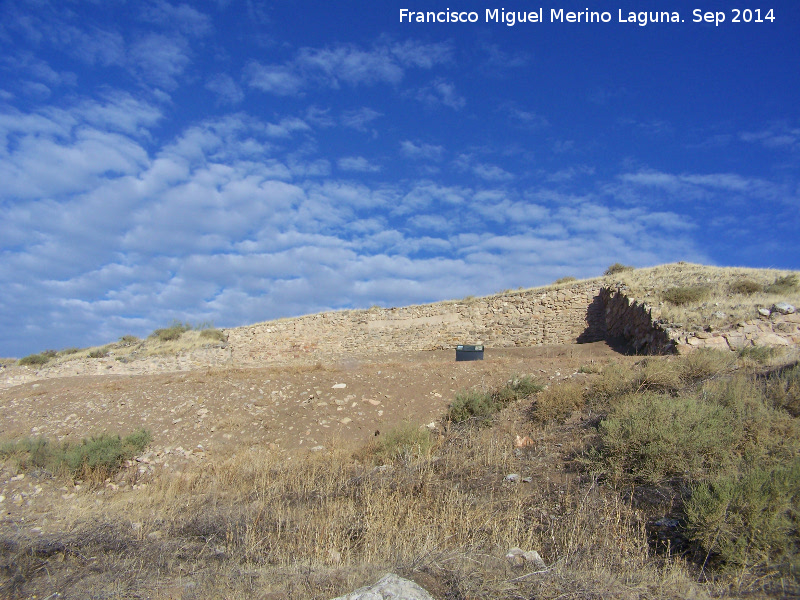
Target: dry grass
316, 526
736, 292
438, 508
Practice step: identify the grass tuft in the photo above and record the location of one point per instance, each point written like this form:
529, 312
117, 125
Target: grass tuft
617, 268
92, 458
686, 294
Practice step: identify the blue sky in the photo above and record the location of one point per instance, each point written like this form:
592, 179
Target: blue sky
235, 162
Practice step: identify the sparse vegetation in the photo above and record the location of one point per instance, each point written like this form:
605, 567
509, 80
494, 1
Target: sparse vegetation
685, 294
558, 402
213, 334
92, 458
406, 442
786, 284
479, 407
617, 268
99, 353
746, 287
565, 280
171, 333
128, 340
33, 360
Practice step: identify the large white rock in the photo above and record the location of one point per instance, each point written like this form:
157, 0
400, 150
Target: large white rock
390, 587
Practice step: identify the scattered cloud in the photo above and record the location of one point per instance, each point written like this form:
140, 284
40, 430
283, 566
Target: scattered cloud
358, 164
274, 79
160, 59
421, 151
441, 92
228, 91
780, 136
385, 62
360, 118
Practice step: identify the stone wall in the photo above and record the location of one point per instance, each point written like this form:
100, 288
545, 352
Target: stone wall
560, 315
631, 322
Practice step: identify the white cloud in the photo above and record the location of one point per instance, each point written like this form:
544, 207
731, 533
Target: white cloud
182, 17
421, 151
385, 62
160, 59
360, 118
274, 79
226, 88
358, 164
491, 172
442, 92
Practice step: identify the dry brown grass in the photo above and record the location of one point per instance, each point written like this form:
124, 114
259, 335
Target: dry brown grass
317, 526
735, 291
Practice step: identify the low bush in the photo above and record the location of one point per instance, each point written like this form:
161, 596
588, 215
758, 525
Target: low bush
685, 294
171, 333
649, 438
783, 285
68, 351
567, 279
405, 442
479, 406
782, 391
748, 520
746, 287
128, 340
98, 353
704, 363
558, 402
759, 354
33, 360
213, 334
617, 268
95, 457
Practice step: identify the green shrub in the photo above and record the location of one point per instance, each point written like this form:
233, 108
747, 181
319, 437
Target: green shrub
658, 374
128, 340
479, 407
68, 351
615, 380
684, 294
94, 457
565, 280
173, 332
784, 285
749, 519
405, 442
704, 363
650, 437
473, 405
558, 402
33, 360
746, 287
783, 391
617, 268
759, 354
98, 353
213, 334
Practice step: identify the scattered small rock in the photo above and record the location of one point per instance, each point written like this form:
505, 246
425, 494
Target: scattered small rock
719, 314
519, 558
339, 386
389, 587
783, 308
764, 312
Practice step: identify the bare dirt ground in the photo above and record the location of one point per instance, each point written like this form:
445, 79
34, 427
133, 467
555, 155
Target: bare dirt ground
210, 412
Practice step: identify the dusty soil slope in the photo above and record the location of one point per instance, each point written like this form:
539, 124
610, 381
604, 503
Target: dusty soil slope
212, 409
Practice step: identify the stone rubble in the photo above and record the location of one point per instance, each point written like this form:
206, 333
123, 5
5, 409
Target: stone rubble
390, 587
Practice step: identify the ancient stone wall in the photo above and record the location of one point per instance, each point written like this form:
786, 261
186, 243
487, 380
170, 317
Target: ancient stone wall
521, 318
631, 322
